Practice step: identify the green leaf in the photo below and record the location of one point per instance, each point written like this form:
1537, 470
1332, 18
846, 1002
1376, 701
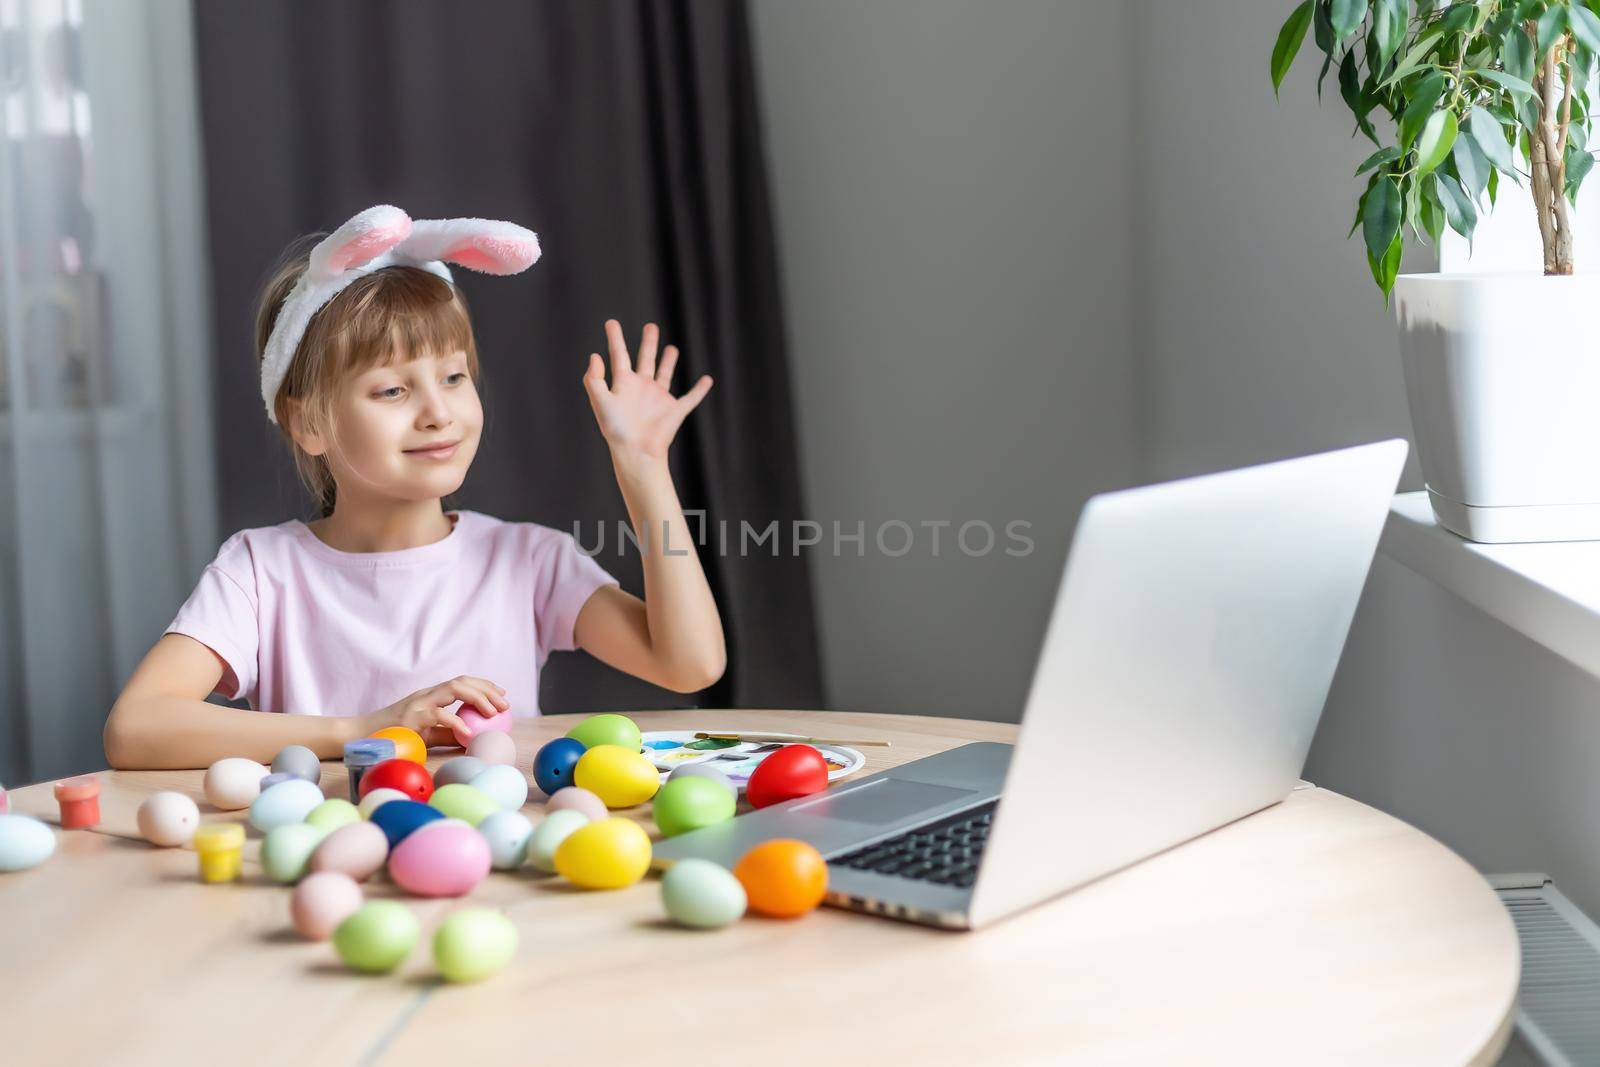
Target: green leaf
1577, 168
1422, 99
1551, 25
1346, 15
1380, 219
1494, 185
1322, 29
1458, 209
1471, 166
1385, 267
1425, 42
1517, 54
1488, 136
1378, 158
1290, 38
1515, 84
1438, 136
1388, 30
1585, 27
1432, 212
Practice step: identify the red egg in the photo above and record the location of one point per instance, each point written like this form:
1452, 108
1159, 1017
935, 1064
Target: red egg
792, 771
410, 778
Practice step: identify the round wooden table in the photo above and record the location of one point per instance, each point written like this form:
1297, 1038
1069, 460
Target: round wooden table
1319, 931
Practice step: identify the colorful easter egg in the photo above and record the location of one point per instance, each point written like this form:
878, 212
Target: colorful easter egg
285, 803
463, 802
357, 851
685, 804
399, 818
377, 798
792, 771
607, 729
492, 746
783, 878
287, 850
408, 744
553, 829
233, 783
608, 854
408, 777
507, 833
321, 902
552, 765
577, 799
475, 722
473, 943
444, 859
24, 842
707, 771
702, 894
378, 937
503, 784
621, 777
332, 814
458, 771
299, 761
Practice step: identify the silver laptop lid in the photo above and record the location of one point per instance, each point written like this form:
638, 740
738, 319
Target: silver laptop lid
1187, 659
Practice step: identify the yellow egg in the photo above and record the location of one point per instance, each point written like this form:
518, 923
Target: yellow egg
619, 777
608, 854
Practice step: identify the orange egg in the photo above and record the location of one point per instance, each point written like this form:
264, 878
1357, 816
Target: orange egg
408, 744
783, 878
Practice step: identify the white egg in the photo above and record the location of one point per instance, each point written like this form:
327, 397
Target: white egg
284, 804
168, 819
373, 800
503, 784
507, 833
233, 783
24, 842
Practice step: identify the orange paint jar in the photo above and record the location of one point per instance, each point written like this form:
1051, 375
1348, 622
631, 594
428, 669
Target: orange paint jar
80, 802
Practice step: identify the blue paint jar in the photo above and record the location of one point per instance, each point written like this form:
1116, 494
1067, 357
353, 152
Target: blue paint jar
362, 755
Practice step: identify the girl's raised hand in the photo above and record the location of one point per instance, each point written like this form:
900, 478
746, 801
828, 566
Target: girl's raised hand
638, 412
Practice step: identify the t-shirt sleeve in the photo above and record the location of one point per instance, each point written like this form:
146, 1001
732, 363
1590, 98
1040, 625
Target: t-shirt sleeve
566, 578
221, 614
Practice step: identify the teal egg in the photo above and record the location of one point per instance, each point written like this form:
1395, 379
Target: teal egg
702, 894
685, 804
287, 850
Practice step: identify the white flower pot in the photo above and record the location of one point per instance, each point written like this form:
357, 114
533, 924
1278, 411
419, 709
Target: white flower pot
1503, 377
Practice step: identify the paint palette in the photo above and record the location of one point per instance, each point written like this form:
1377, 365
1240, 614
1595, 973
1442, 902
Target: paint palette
671, 749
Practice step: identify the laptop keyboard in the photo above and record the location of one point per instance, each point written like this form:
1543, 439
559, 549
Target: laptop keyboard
945, 852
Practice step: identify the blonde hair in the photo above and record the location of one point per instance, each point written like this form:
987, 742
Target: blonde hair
374, 321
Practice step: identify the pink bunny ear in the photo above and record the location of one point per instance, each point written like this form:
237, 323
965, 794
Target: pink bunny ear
366, 236
485, 245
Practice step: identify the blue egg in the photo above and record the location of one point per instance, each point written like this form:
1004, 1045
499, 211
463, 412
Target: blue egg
399, 817
552, 767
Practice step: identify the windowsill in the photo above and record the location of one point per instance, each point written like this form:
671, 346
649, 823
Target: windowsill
1549, 592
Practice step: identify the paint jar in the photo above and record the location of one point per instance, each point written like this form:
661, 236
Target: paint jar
80, 802
220, 846
361, 756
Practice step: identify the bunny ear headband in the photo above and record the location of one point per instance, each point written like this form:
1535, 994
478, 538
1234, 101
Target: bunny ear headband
380, 237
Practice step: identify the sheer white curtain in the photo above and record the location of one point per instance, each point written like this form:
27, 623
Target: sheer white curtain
107, 508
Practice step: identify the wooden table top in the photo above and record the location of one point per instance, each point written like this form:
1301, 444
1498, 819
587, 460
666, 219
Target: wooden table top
1317, 931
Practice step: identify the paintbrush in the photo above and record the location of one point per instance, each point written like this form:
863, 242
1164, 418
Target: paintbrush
788, 739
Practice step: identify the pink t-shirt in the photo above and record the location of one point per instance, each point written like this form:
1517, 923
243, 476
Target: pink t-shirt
308, 629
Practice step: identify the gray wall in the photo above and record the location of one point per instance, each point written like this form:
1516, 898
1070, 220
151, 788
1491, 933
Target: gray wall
954, 220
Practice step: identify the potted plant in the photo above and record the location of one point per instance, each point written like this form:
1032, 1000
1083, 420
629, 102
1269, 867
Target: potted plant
1500, 373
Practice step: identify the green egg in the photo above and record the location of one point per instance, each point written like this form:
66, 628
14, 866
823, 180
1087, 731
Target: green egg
686, 803
473, 943
332, 814
287, 849
553, 829
702, 894
460, 801
607, 729
378, 937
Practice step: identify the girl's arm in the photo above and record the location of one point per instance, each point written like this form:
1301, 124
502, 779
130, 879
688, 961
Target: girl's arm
162, 720
673, 637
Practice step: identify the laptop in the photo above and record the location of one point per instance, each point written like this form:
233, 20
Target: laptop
1185, 665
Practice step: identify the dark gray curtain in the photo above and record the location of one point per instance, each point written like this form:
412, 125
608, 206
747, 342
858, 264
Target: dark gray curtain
625, 134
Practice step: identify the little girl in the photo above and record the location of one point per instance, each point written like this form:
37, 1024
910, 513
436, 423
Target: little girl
389, 610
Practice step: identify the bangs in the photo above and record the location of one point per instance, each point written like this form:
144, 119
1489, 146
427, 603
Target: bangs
388, 317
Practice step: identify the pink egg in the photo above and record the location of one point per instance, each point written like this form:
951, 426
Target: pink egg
476, 722
321, 902
492, 746
445, 858
580, 800
355, 850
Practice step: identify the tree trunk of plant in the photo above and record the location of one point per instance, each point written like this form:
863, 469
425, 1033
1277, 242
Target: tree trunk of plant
1547, 154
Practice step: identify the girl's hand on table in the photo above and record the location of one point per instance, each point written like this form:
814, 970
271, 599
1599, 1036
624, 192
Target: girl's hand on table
638, 413
427, 710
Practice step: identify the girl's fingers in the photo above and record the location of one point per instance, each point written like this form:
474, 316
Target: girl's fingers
647, 350
669, 363
691, 400
497, 693
620, 364
477, 698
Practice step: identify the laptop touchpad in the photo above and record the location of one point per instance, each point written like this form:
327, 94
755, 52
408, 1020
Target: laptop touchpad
886, 800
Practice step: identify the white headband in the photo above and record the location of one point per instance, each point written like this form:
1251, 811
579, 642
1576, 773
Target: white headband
380, 237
